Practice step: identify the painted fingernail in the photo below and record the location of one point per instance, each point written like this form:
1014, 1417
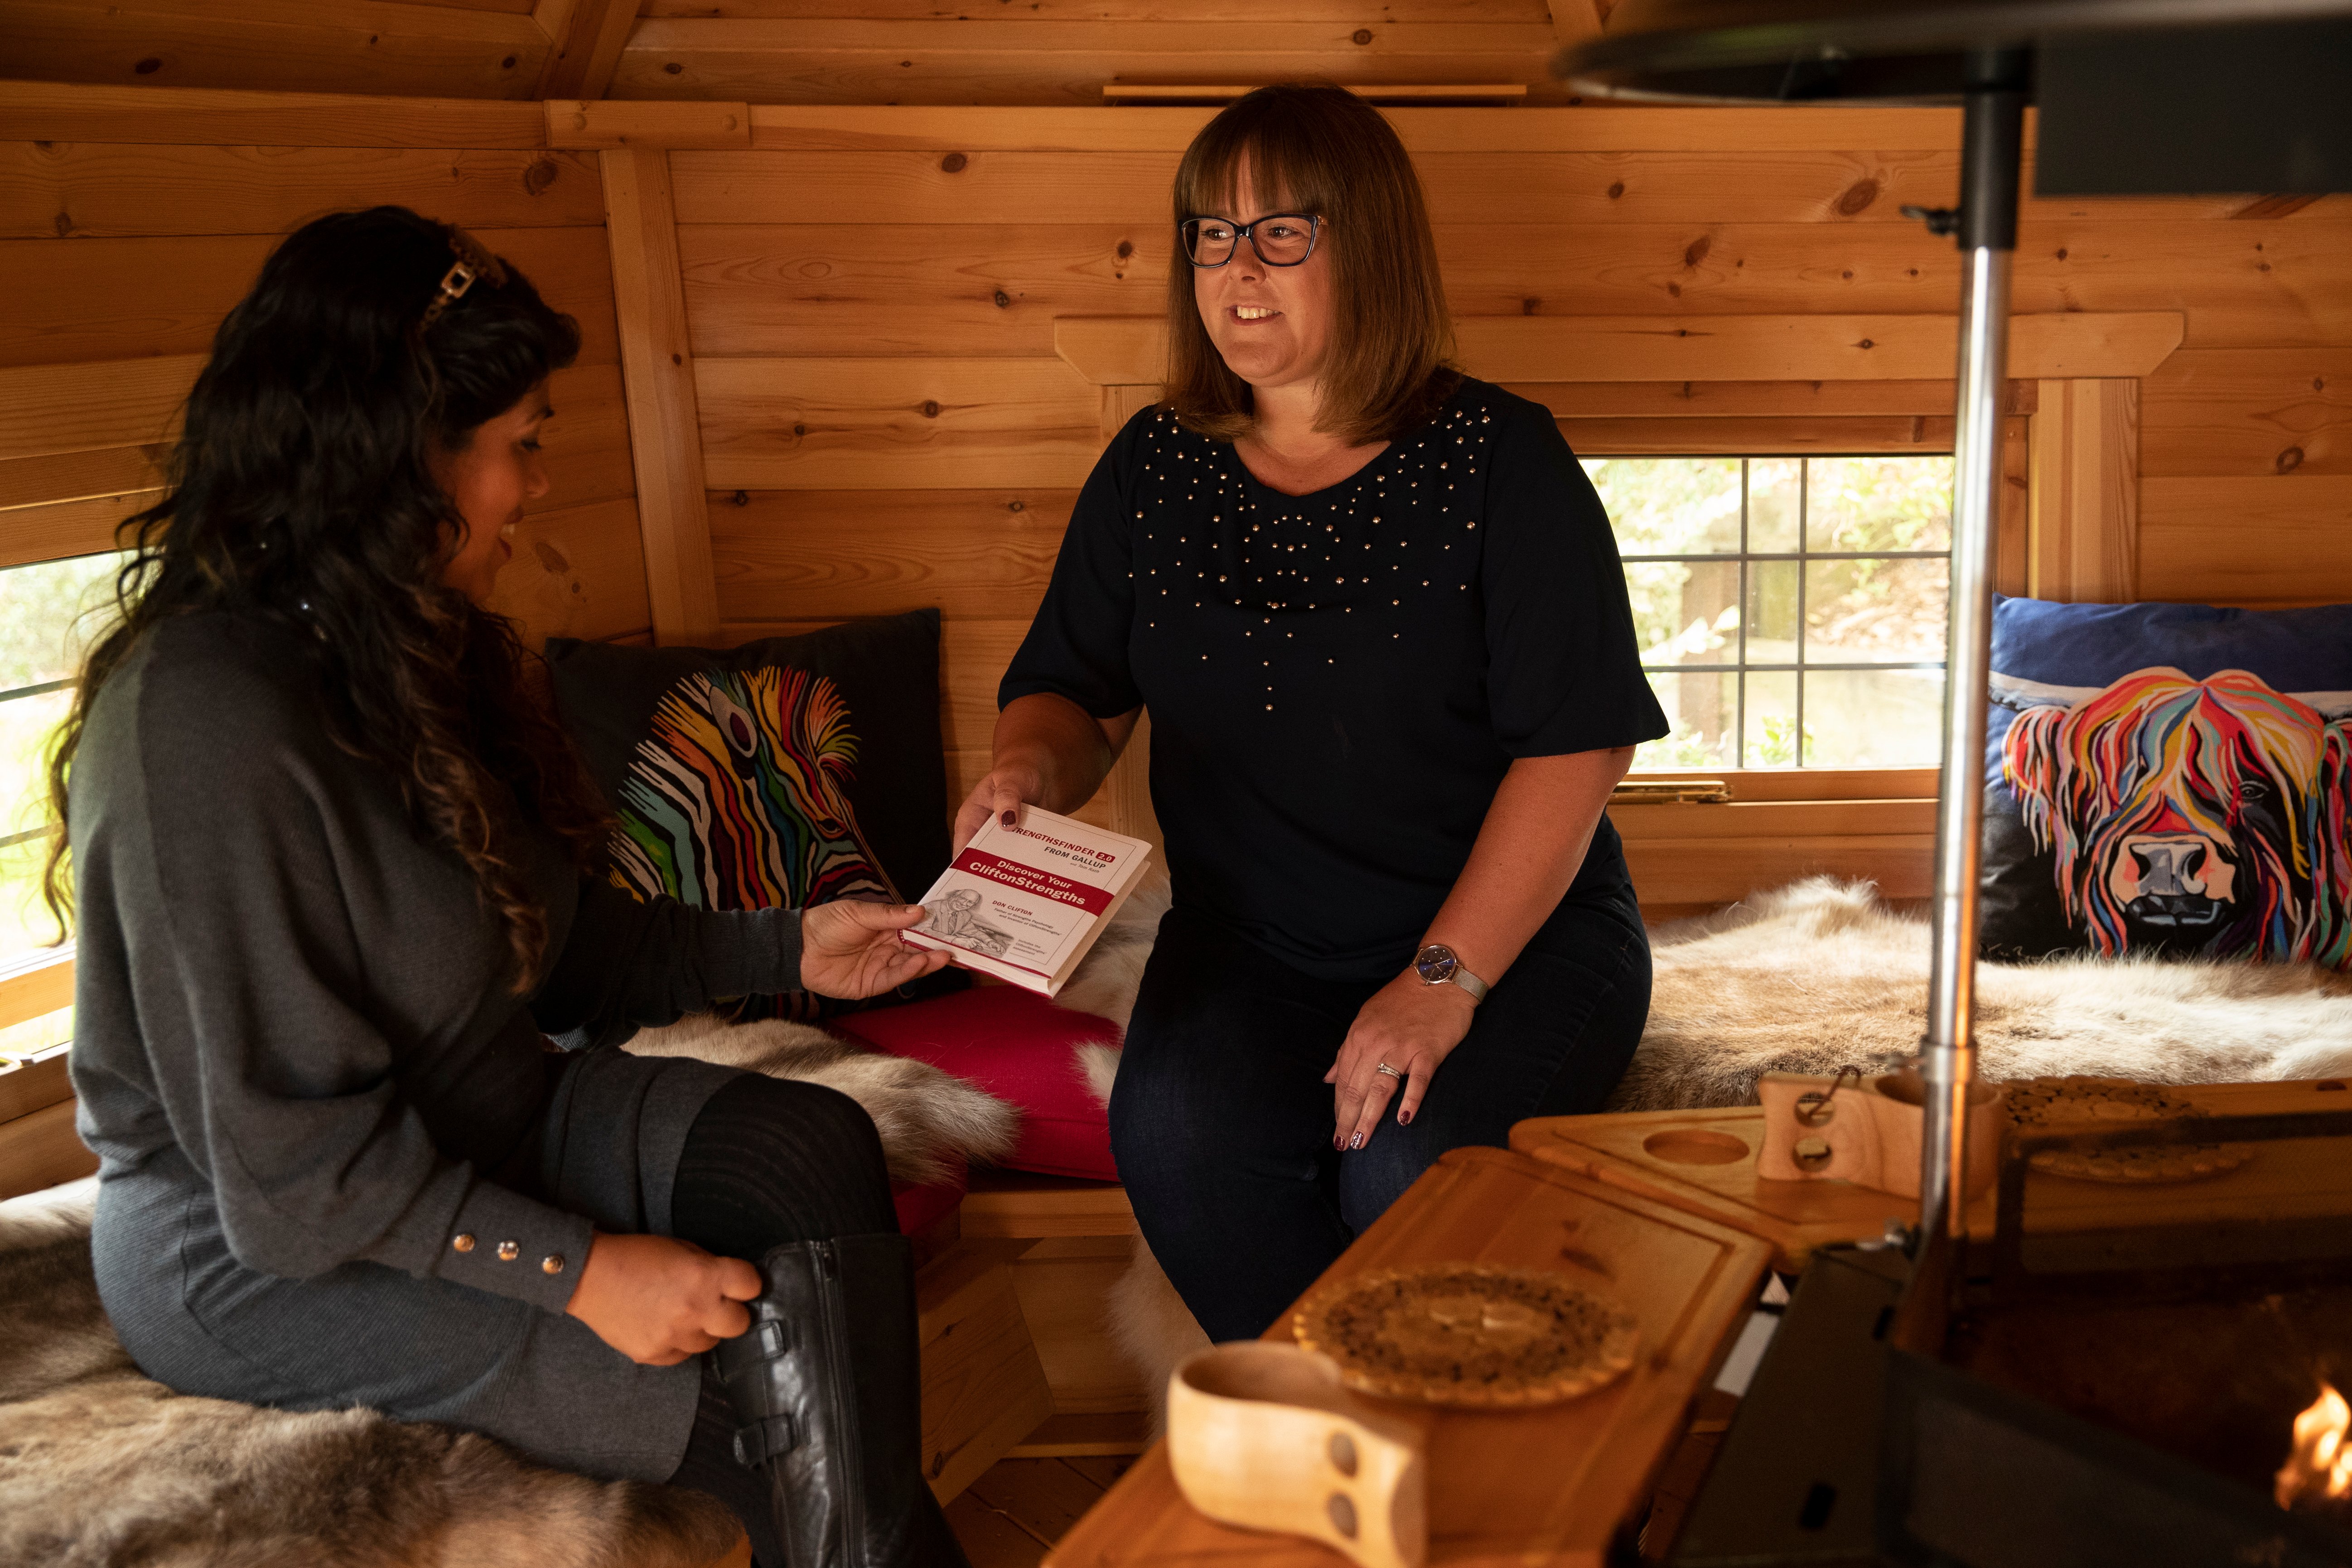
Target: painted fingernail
1011, 820
1404, 1118
1357, 1141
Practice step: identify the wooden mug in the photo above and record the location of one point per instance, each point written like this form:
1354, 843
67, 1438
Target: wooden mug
1867, 1131
1265, 1436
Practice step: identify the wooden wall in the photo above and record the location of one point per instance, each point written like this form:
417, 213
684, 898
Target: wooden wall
445, 49
131, 221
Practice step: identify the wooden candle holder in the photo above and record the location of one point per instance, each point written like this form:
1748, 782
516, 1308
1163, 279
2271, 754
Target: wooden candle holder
1265, 1436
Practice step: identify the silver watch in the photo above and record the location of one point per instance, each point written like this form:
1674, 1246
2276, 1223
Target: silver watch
1438, 965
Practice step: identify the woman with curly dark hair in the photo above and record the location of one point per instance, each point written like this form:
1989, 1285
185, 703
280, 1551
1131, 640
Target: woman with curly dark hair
333, 858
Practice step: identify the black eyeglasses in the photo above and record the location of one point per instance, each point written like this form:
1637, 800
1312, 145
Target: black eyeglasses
1282, 239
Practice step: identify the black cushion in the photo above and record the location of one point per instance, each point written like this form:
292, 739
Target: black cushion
789, 771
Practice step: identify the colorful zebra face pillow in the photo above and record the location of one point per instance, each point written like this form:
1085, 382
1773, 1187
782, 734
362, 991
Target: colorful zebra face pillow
2169, 778
783, 773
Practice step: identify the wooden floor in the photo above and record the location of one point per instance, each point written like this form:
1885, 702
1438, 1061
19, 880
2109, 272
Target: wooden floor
1010, 1515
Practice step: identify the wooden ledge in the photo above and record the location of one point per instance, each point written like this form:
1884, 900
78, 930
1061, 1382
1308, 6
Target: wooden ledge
1130, 351
226, 117
608, 122
1011, 1204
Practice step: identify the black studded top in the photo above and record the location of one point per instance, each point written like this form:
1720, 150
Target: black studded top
1338, 682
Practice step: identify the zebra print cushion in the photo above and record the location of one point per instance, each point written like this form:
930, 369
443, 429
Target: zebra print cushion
786, 772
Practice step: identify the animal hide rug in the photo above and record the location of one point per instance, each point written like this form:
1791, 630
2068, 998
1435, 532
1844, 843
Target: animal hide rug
102, 1467
1820, 975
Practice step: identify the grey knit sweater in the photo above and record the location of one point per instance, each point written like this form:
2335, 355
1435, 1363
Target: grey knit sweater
294, 1042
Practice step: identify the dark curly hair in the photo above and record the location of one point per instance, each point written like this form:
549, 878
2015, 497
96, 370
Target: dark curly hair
302, 494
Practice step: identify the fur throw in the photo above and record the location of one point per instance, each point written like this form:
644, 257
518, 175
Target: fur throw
1821, 974
933, 1124
101, 1466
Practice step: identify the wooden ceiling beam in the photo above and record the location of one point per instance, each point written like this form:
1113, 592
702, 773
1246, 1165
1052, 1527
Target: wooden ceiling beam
586, 38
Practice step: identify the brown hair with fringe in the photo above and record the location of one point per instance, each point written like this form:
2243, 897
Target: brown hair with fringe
1311, 147
303, 495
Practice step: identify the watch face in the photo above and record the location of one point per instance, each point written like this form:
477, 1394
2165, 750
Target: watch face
1437, 964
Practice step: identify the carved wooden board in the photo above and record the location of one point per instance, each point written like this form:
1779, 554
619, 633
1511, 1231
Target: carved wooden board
1533, 1488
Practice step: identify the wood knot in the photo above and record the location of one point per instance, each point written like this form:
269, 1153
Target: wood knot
1616, 189
1530, 305
2290, 460
1125, 249
677, 359
1857, 196
2062, 253
540, 174
1673, 291
507, 64
548, 556
149, 66
799, 429
741, 497
64, 226
1866, 343
930, 409
1016, 506
1696, 251
1362, 35
954, 163
1003, 300
674, 68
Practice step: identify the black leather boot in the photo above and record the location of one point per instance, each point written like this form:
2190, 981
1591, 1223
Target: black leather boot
828, 1389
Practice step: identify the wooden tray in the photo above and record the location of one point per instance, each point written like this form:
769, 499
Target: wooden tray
1703, 1163
1531, 1489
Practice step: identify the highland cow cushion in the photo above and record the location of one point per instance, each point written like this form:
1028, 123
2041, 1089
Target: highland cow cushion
1019, 1047
786, 772
2169, 778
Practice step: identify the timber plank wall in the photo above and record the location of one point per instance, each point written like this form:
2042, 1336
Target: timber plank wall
129, 226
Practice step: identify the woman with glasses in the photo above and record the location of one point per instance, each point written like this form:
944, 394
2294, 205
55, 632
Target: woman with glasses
1375, 612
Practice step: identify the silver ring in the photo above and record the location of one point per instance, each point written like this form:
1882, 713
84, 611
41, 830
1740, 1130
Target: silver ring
1383, 1066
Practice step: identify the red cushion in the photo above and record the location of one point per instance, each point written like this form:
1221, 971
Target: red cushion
1019, 1047
918, 1207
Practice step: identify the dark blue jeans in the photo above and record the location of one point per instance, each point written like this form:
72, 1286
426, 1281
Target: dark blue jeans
1222, 1126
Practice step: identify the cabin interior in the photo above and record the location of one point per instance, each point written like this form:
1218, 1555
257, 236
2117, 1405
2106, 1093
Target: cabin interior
865, 286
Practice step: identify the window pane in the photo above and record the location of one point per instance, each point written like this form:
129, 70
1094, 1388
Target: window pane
42, 628
1685, 611
1872, 718
1772, 612
25, 725
1670, 506
1773, 496
1771, 720
1867, 612
1878, 503
1704, 711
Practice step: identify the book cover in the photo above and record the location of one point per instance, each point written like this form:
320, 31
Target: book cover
1023, 903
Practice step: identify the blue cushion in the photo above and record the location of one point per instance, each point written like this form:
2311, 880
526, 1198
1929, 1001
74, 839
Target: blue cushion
2169, 778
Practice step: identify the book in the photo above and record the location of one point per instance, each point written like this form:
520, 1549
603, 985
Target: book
1023, 903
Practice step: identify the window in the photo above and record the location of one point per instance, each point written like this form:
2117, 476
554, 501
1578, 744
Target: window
43, 632
1791, 610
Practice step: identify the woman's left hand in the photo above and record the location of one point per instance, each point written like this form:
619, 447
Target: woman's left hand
1412, 1027
851, 950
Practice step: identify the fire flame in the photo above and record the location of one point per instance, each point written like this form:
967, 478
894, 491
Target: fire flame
2320, 1466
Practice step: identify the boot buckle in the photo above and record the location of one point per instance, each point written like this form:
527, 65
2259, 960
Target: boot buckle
764, 1439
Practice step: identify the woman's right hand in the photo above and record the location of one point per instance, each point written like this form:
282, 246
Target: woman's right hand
1002, 793
658, 1300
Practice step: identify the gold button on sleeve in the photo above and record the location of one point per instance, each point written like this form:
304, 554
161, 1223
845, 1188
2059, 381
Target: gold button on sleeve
509, 1251
462, 1242
551, 1264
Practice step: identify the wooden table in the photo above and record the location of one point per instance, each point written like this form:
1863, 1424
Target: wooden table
1538, 1488
1703, 1163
